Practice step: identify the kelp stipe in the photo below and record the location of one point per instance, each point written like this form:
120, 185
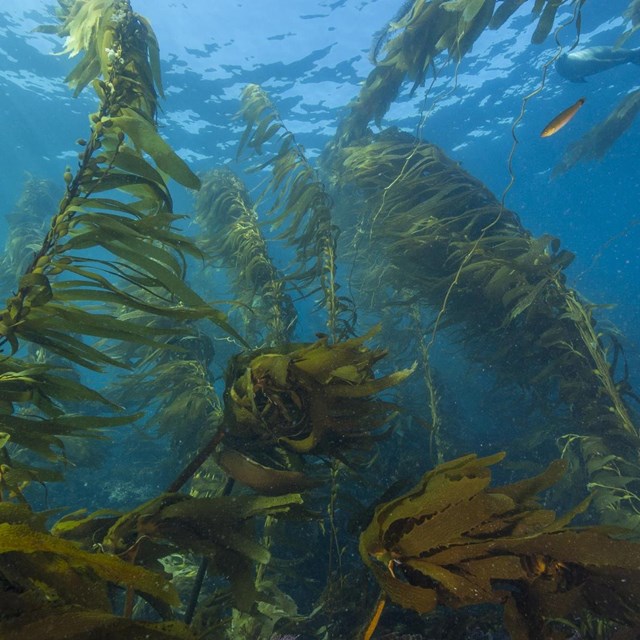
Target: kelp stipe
302, 208
231, 235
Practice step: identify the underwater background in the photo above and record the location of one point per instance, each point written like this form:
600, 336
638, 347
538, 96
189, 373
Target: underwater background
312, 58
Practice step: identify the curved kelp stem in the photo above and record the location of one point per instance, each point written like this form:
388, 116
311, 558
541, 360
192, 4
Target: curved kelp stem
523, 107
442, 226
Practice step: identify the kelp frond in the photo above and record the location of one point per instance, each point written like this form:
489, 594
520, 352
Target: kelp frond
50, 585
232, 236
302, 207
413, 42
441, 237
219, 528
546, 10
631, 16
313, 398
453, 540
117, 204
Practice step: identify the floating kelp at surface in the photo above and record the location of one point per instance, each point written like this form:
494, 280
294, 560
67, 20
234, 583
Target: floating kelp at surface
455, 541
599, 139
231, 235
441, 237
630, 15
546, 11
426, 29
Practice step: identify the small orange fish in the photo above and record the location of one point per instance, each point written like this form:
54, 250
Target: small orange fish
561, 119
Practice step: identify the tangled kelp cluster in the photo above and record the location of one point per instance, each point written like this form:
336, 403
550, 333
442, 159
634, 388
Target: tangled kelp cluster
302, 431
313, 398
455, 541
441, 235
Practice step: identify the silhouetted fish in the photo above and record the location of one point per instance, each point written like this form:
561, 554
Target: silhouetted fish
577, 65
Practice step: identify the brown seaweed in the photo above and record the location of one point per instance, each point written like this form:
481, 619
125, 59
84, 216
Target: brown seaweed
455, 541
599, 139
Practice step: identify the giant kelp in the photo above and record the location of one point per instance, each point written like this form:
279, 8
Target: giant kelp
232, 236
312, 398
302, 208
453, 540
118, 201
424, 30
631, 16
440, 241
440, 236
135, 227
49, 583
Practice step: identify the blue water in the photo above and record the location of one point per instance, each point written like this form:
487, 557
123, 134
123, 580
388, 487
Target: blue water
311, 56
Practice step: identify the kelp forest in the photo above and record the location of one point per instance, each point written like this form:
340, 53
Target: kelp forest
327, 485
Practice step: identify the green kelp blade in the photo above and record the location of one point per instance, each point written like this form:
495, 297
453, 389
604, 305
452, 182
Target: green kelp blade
106, 326
144, 135
53, 334
545, 23
129, 183
108, 204
78, 290
73, 623
130, 161
21, 539
43, 435
153, 50
83, 528
83, 73
38, 383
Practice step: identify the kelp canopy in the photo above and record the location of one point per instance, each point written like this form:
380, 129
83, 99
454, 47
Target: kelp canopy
308, 451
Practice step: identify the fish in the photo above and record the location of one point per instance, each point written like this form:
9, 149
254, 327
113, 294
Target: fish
577, 65
561, 119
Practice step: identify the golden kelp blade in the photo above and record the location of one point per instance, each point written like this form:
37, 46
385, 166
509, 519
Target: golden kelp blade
561, 119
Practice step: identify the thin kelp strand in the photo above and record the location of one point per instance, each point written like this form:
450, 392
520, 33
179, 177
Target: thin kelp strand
575, 17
